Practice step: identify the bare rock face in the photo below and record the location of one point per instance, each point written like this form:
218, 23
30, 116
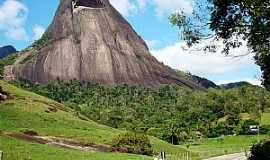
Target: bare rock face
90, 41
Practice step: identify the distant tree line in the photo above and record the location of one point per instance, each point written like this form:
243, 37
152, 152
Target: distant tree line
170, 112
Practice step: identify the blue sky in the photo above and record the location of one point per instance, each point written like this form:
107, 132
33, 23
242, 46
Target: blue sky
23, 21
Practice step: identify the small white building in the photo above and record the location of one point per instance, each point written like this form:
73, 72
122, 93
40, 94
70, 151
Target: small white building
254, 128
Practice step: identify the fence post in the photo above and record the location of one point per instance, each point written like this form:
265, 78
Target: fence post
163, 155
1, 155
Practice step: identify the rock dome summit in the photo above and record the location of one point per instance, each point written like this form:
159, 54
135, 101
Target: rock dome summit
89, 40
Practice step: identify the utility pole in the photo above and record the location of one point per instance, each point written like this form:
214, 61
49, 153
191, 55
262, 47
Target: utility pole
259, 126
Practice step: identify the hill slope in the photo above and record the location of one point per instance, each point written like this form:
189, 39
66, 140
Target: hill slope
6, 50
28, 111
206, 83
235, 85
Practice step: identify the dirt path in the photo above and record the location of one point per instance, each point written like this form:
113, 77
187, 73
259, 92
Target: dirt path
237, 156
61, 142
65, 143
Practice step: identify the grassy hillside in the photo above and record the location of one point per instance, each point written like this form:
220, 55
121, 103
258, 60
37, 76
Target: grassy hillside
22, 150
171, 113
266, 118
29, 111
229, 144
220, 146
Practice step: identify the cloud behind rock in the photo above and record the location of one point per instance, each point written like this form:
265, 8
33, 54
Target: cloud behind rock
13, 15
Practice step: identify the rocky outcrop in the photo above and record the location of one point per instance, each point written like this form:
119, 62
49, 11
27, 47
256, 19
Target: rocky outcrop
203, 82
235, 85
6, 51
90, 41
198, 80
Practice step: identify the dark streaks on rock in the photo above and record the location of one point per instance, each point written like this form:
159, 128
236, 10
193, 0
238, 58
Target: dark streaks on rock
97, 44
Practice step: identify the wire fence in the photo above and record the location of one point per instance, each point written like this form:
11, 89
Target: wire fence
201, 155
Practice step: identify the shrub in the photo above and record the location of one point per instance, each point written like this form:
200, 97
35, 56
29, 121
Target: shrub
265, 129
220, 129
34, 48
260, 151
27, 59
183, 137
133, 143
42, 42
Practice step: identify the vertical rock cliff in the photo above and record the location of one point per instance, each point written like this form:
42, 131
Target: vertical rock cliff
89, 40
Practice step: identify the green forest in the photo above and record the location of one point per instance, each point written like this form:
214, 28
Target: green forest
177, 115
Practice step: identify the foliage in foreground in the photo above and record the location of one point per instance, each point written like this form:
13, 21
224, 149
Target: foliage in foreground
260, 151
170, 113
233, 22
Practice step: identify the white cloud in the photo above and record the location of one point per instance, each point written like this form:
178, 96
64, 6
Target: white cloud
141, 3
13, 15
17, 33
204, 64
152, 43
164, 7
125, 7
38, 32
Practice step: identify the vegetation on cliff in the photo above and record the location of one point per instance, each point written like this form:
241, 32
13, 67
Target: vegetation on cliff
35, 48
9, 60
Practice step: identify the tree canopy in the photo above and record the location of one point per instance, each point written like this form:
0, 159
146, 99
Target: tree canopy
170, 113
234, 22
